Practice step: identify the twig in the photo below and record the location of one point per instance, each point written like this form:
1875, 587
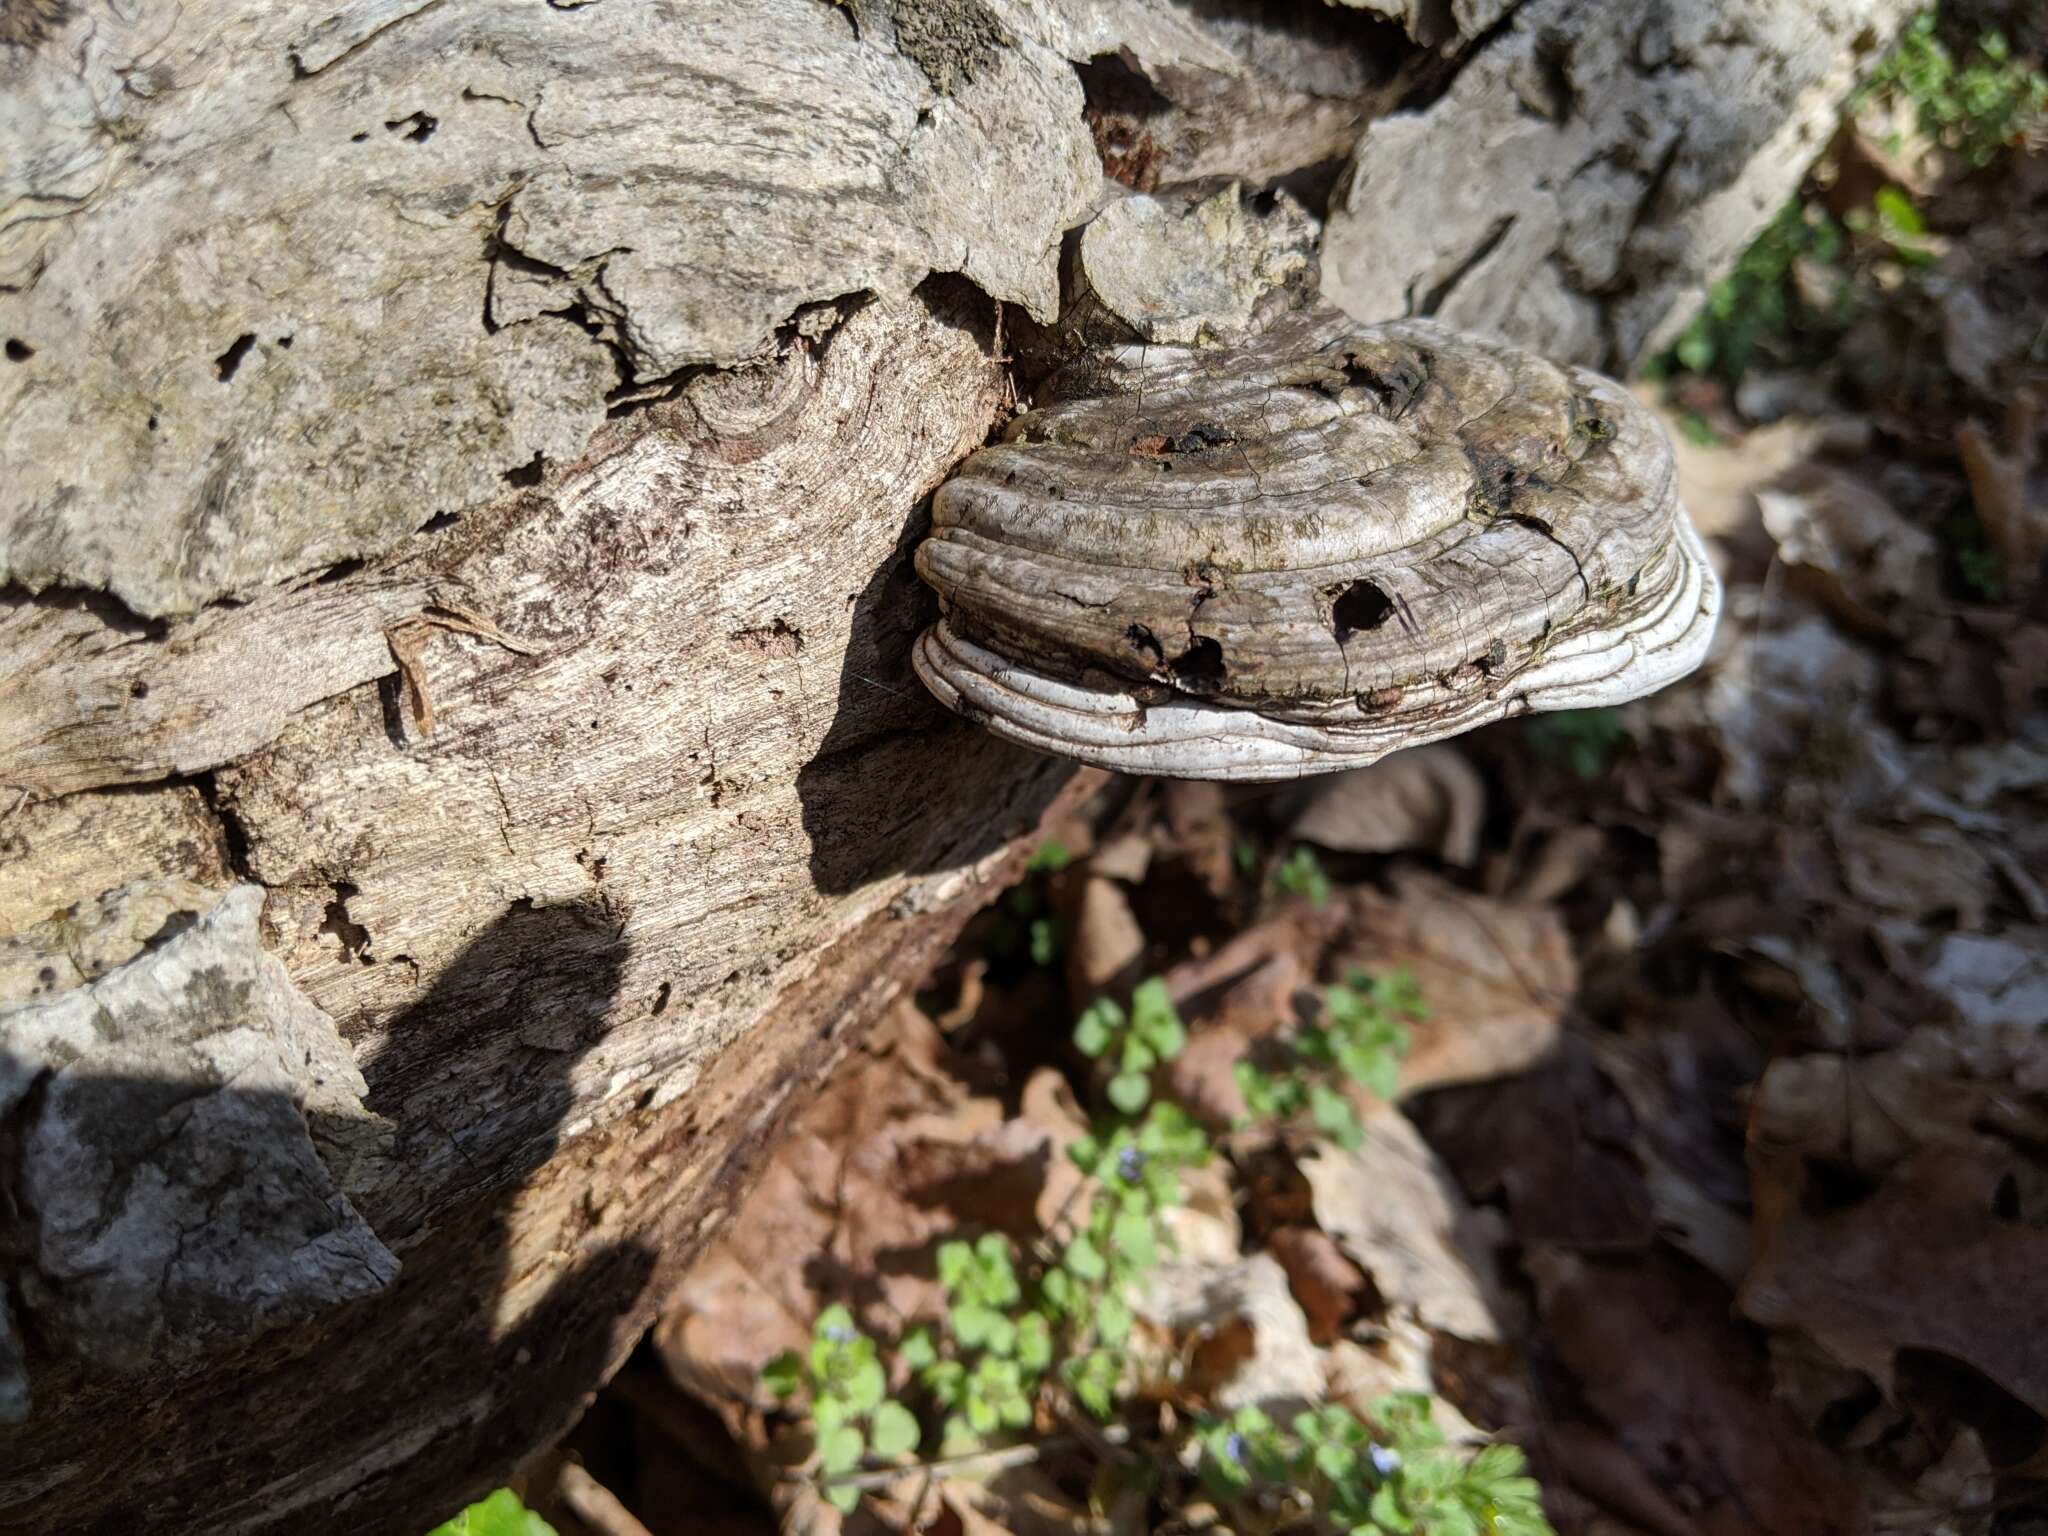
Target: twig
447, 615
996, 1459
594, 1504
407, 641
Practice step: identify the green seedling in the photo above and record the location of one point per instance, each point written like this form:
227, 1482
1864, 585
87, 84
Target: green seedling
1363, 1031
1301, 874
1392, 1476
1134, 1043
1587, 741
1011, 1329
850, 1406
1977, 105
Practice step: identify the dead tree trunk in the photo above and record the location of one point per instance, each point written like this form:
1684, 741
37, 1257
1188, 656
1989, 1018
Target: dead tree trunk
461, 779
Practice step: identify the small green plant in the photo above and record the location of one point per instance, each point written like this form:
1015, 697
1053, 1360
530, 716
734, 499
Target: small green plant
499, 1515
1001, 1349
1138, 1166
1977, 104
1982, 571
1050, 859
1697, 429
1063, 1314
1004, 1330
1042, 932
850, 1404
981, 1283
1978, 570
1301, 874
1364, 1031
1393, 1476
1897, 224
1025, 927
1134, 1043
1806, 276
1585, 740
1759, 305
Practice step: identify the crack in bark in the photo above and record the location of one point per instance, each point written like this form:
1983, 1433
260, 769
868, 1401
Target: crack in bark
1436, 297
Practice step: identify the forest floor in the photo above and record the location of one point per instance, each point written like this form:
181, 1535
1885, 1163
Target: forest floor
1715, 1169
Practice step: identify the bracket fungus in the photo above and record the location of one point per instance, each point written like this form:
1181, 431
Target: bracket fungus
1303, 552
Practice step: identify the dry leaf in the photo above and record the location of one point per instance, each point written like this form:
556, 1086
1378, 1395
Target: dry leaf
1993, 980
1204, 1228
1937, 1259
1919, 873
1125, 857
1870, 558
1790, 689
1202, 1079
1201, 832
1497, 975
1797, 972
892, 1157
2006, 485
1394, 1210
1885, 145
1017, 1501
1282, 1370
1718, 482
1687, 1396
1678, 1147
1554, 1144
1561, 857
1864, 1116
1601, 1468
1397, 1357
1329, 1286
1107, 947
1426, 798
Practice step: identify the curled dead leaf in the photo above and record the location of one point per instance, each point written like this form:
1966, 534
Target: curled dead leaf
1868, 558
1330, 1288
1277, 1367
1396, 1212
1427, 798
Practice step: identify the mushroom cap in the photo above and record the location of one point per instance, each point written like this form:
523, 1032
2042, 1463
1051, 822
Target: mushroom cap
1309, 550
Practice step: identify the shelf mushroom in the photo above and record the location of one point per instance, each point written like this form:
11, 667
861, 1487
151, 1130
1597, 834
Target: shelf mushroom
1301, 553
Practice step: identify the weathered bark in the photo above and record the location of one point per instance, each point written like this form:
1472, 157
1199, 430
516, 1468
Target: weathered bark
1584, 179
461, 777
590, 931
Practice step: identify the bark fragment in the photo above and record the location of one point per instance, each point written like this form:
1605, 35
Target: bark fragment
188, 1124
1594, 167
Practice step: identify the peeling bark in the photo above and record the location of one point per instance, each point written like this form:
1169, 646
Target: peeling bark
169, 1156
217, 216
1594, 167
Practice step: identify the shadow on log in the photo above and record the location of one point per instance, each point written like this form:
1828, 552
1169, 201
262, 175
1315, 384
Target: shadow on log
246, 1260
921, 778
